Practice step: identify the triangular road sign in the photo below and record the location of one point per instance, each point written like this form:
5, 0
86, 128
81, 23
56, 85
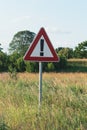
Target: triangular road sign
41, 49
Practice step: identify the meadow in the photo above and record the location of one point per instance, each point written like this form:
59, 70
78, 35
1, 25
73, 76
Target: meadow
64, 102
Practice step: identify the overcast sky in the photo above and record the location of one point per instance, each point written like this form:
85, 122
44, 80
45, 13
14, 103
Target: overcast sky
65, 21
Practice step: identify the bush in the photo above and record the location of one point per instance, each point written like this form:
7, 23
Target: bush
31, 67
61, 65
3, 62
20, 65
50, 67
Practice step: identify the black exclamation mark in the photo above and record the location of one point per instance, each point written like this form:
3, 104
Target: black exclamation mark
41, 47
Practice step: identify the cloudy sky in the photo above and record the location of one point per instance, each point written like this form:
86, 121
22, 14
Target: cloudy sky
65, 21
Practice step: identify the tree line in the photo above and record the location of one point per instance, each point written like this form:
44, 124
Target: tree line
19, 45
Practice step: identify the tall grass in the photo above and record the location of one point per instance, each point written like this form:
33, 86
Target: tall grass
64, 105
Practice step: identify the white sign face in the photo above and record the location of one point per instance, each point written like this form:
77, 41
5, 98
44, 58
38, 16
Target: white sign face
41, 49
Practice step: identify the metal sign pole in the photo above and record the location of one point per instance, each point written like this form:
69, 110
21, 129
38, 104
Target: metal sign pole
40, 83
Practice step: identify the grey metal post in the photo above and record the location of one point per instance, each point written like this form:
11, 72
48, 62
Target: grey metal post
40, 83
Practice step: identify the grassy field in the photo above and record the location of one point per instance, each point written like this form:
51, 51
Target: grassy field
64, 105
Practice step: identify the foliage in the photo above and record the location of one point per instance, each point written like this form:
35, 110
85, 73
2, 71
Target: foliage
77, 65
66, 52
3, 62
1, 48
20, 64
19, 45
61, 65
13, 61
81, 50
47, 67
50, 67
58, 49
21, 42
32, 66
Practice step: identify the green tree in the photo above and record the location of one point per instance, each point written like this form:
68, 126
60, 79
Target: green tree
3, 61
66, 52
58, 49
32, 66
61, 65
21, 42
1, 47
81, 50
12, 65
20, 64
50, 66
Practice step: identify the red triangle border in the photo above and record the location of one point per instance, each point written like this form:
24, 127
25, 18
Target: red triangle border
28, 56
